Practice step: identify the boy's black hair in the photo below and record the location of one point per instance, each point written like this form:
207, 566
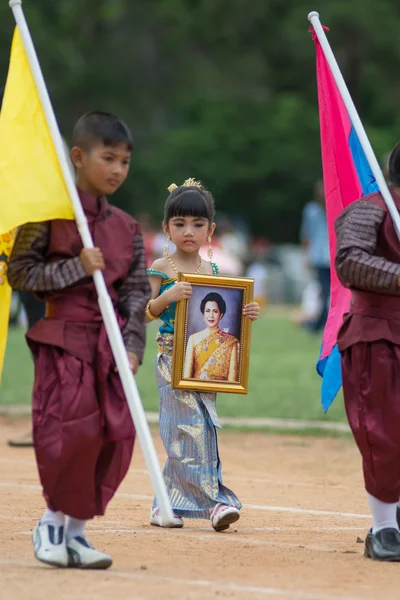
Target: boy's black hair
394, 165
189, 201
213, 297
1, 96
99, 127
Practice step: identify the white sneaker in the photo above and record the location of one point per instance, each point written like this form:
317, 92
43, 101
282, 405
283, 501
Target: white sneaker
83, 556
157, 520
49, 545
224, 515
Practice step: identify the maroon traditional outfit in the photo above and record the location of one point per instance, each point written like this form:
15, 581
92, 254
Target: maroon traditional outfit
82, 428
368, 262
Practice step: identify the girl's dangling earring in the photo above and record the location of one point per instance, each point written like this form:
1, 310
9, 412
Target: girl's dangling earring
210, 250
166, 249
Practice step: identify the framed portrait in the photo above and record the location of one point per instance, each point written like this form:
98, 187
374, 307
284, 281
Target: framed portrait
212, 337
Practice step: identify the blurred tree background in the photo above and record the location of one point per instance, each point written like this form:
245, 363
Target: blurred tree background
220, 90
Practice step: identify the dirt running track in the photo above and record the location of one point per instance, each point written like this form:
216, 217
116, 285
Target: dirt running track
304, 509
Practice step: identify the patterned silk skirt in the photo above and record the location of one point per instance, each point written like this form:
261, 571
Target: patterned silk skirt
188, 422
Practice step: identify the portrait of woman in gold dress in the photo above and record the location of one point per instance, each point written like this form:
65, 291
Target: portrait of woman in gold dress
212, 354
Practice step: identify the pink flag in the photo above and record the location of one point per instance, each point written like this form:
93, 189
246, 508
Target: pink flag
347, 177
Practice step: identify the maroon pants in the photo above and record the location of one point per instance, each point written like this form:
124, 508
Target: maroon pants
371, 385
82, 430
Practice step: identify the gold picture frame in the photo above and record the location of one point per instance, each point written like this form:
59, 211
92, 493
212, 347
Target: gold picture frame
208, 356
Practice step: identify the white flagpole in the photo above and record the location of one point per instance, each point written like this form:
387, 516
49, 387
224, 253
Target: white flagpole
106, 307
313, 17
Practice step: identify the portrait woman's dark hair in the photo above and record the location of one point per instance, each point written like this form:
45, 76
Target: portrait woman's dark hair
189, 201
214, 297
394, 165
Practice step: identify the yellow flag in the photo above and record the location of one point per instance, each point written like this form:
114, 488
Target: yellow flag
32, 187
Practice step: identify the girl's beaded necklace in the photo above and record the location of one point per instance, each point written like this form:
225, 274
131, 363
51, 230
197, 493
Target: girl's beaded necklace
175, 268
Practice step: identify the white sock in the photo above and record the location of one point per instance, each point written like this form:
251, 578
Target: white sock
51, 517
383, 514
75, 528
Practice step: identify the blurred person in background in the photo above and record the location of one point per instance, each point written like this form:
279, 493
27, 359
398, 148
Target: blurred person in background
233, 242
385, 167
258, 270
228, 266
314, 239
311, 305
149, 235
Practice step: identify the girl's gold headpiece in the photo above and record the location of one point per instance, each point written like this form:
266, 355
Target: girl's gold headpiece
188, 182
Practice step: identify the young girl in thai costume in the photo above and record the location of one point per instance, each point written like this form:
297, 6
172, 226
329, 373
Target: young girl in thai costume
188, 419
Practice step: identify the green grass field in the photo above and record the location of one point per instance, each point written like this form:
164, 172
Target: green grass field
283, 380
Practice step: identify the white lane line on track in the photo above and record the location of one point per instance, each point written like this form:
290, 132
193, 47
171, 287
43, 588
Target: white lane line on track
28, 486
285, 482
307, 511
18, 461
135, 496
295, 529
276, 508
34, 520
290, 594
331, 486
104, 521
288, 483
247, 506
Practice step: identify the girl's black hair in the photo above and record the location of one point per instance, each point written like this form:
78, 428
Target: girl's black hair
189, 201
213, 297
394, 165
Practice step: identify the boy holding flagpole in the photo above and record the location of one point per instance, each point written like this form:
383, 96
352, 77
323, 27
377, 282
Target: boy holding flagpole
368, 262
83, 432
92, 340
361, 343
